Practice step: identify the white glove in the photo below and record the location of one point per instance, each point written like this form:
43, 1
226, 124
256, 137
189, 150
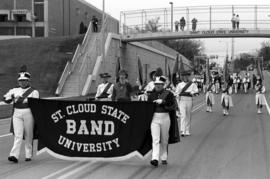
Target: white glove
158, 101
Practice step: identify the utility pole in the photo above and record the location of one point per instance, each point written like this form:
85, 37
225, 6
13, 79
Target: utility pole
171, 16
103, 32
33, 19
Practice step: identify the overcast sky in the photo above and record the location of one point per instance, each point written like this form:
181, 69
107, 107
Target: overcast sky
212, 46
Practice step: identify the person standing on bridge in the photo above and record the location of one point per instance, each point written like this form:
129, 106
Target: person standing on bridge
184, 92
233, 22
259, 97
22, 118
237, 21
105, 89
176, 24
182, 23
194, 24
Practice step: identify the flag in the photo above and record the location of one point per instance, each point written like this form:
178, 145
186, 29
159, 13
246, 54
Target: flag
117, 69
225, 73
259, 69
140, 71
181, 67
175, 71
207, 72
169, 74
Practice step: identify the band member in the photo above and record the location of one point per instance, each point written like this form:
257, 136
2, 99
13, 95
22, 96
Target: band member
105, 89
22, 119
210, 100
164, 100
150, 86
122, 90
184, 92
259, 97
235, 84
226, 99
246, 83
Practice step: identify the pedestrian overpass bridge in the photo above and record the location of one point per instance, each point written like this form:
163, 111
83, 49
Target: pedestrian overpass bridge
214, 33
212, 22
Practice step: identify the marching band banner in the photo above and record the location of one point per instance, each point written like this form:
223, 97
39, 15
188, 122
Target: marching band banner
80, 130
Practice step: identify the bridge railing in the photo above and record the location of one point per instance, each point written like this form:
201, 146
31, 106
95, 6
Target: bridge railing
209, 17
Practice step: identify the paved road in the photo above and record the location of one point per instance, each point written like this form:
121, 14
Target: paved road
220, 147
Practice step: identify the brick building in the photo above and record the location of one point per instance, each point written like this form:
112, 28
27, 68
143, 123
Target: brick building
43, 18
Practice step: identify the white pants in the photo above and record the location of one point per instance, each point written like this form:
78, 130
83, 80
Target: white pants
160, 135
23, 123
185, 107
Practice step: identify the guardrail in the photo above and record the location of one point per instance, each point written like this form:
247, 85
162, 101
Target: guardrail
63, 78
209, 17
69, 68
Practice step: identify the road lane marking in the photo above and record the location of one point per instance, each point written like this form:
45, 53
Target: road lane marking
63, 170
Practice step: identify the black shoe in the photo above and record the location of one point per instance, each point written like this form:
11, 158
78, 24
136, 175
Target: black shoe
154, 163
164, 162
28, 159
13, 159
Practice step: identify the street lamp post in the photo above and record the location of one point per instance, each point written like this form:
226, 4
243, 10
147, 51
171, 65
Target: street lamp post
102, 31
171, 16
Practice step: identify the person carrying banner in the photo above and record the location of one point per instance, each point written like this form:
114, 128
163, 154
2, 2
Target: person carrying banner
184, 92
209, 97
259, 97
105, 89
161, 123
226, 99
22, 118
122, 90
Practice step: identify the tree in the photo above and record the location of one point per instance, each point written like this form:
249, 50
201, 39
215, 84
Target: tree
264, 52
153, 25
186, 47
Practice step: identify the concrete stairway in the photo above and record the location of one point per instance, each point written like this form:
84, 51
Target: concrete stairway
86, 60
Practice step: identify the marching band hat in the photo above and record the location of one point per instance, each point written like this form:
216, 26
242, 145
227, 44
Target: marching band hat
24, 75
185, 73
160, 80
104, 75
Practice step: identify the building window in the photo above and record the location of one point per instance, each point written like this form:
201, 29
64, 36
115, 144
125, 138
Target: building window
3, 17
20, 17
39, 32
39, 12
24, 31
6, 31
39, 1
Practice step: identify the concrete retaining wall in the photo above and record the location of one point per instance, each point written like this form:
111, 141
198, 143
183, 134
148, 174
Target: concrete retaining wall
152, 55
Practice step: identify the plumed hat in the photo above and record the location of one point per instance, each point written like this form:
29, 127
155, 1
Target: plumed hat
24, 75
104, 75
160, 80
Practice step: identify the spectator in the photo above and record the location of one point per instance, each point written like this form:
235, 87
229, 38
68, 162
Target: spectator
182, 23
233, 21
237, 21
95, 24
176, 23
194, 24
